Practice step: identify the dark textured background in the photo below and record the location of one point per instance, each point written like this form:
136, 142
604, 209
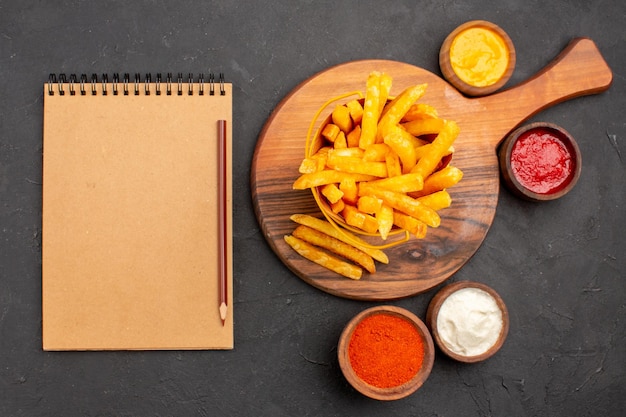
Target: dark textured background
559, 266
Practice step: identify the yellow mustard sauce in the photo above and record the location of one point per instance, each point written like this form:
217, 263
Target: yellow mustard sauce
479, 56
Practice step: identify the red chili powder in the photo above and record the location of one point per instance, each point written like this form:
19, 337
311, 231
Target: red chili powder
541, 162
385, 350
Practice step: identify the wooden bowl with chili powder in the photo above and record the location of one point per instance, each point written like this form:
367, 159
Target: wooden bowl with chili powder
540, 162
386, 353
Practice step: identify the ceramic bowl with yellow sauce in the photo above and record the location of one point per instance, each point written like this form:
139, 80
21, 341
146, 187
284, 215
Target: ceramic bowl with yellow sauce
478, 58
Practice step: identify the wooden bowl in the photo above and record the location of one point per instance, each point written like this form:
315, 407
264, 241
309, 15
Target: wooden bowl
453, 78
433, 312
395, 392
516, 185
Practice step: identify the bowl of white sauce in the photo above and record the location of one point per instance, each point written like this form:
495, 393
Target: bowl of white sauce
468, 321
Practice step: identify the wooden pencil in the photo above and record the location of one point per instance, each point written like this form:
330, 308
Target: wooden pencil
223, 219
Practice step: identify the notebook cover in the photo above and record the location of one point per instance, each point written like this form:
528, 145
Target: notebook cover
130, 221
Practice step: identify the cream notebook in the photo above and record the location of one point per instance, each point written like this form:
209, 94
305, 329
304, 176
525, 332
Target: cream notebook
130, 227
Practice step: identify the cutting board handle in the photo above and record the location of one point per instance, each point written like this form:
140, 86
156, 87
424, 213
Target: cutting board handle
578, 70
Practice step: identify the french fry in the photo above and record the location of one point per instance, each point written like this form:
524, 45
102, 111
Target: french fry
316, 162
369, 204
426, 165
376, 152
356, 165
369, 122
341, 117
440, 180
421, 151
322, 151
384, 218
341, 141
320, 158
356, 218
345, 236
371, 224
353, 152
404, 183
321, 161
410, 224
324, 259
328, 176
421, 127
420, 111
356, 111
338, 206
398, 107
436, 201
417, 142
402, 147
385, 89
349, 188
336, 246
403, 203
308, 166
392, 161
330, 132
332, 193
353, 137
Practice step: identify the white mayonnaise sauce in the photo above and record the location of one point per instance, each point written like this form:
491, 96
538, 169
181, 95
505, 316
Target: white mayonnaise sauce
469, 322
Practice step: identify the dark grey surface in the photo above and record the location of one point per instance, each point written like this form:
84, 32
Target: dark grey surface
559, 266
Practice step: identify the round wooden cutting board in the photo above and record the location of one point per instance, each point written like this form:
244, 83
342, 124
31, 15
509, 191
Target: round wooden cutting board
417, 265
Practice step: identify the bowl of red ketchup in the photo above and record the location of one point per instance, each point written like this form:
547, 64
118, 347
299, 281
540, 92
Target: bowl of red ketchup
540, 161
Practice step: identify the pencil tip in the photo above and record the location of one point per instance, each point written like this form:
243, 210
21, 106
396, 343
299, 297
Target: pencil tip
223, 311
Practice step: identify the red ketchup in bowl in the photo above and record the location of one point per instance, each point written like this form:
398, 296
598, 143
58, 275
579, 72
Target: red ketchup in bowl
541, 161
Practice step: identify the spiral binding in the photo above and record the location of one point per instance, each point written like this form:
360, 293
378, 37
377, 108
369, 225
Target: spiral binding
85, 86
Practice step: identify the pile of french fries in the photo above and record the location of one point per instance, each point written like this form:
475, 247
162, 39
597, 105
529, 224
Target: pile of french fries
314, 237
378, 170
